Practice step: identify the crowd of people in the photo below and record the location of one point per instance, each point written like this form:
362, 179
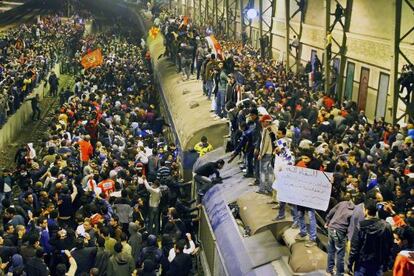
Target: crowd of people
102, 194
28, 53
277, 117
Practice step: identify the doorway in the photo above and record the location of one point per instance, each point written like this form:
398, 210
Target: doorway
384, 80
349, 81
363, 88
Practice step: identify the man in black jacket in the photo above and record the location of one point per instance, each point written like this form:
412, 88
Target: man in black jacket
84, 256
371, 244
36, 266
54, 84
203, 173
182, 263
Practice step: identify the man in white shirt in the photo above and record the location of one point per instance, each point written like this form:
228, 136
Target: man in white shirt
154, 202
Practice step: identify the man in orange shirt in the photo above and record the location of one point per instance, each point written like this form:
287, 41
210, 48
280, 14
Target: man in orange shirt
85, 149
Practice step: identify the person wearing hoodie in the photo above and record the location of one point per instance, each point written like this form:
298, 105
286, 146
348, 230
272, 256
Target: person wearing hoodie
120, 264
102, 257
371, 244
399, 141
135, 240
16, 265
337, 223
151, 251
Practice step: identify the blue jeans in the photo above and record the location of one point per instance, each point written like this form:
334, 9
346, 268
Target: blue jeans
209, 87
312, 223
293, 211
364, 269
220, 102
336, 247
249, 155
266, 173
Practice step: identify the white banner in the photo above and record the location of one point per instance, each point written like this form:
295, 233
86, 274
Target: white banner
304, 187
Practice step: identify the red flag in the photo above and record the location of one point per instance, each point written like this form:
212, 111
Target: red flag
92, 59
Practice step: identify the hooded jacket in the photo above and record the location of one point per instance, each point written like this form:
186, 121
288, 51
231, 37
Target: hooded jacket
101, 260
371, 243
121, 264
399, 141
135, 241
151, 251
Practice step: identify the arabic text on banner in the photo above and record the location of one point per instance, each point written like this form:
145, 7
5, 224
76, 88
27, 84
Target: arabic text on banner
304, 187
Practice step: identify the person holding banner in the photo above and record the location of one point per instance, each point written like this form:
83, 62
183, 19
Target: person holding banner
310, 162
283, 157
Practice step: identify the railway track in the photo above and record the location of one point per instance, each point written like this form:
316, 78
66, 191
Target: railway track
35, 131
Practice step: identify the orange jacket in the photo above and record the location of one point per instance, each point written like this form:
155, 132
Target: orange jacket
86, 150
403, 266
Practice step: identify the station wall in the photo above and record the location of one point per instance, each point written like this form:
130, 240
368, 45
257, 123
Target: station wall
369, 43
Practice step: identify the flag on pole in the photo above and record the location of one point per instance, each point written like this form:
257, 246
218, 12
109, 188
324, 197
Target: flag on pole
184, 23
215, 46
92, 59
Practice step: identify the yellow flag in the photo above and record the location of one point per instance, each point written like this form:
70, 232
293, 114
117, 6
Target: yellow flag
153, 32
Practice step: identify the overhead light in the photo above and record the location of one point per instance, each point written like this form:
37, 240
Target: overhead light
251, 14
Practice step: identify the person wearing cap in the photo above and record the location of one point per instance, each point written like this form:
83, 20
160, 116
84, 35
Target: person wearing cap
267, 145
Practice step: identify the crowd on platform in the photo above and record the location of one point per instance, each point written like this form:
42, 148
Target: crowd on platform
282, 118
102, 194
28, 53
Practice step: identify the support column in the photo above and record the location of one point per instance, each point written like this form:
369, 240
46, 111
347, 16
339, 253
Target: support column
206, 12
200, 13
287, 35
343, 50
327, 64
215, 14
242, 26
193, 16
395, 61
272, 23
261, 18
